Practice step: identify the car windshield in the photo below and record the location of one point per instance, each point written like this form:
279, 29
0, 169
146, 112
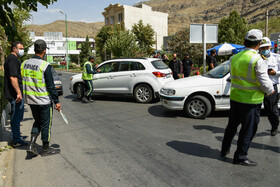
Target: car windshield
158, 64
219, 71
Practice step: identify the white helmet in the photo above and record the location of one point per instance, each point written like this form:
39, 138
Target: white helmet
265, 42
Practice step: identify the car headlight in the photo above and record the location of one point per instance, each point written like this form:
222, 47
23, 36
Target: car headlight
166, 91
57, 82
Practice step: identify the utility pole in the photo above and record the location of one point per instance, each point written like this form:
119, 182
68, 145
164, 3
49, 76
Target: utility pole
67, 63
266, 22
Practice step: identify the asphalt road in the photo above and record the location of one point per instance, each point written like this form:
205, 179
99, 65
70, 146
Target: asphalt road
117, 142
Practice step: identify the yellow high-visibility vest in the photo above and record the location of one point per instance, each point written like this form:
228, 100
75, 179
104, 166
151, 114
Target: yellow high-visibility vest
33, 81
245, 87
85, 75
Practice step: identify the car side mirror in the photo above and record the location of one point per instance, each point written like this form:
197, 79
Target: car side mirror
229, 79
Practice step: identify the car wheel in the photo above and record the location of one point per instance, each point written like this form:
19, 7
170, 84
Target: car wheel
198, 107
80, 91
143, 93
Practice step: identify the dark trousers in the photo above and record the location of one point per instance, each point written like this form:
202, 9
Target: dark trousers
42, 115
187, 72
271, 108
89, 88
16, 118
249, 117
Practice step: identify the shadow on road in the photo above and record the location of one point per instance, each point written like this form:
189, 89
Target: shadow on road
161, 111
198, 150
255, 145
117, 98
209, 128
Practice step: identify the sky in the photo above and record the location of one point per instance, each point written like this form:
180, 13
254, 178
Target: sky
76, 10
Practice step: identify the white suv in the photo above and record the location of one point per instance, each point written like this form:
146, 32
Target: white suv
140, 77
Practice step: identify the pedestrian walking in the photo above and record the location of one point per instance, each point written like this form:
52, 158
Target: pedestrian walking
175, 66
271, 102
211, 60
87, 76
187, 65
249, 83
13, 91
40, 94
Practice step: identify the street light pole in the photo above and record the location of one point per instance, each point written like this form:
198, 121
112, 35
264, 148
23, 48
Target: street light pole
67, 64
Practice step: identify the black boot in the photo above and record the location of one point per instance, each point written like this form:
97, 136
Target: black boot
31, 150
90, 99
85, 99
48, 151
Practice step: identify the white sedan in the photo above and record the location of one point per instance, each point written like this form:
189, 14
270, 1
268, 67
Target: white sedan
199, 95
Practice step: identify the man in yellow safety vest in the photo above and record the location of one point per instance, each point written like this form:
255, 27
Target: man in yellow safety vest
39, 93
87, 76
249, 83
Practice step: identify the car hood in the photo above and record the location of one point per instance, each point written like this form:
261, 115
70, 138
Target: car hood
193, 81
77, 76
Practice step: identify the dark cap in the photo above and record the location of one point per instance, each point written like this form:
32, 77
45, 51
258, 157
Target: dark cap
91, 57
40, 45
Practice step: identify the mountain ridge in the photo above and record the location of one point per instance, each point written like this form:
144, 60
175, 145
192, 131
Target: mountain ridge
181, 14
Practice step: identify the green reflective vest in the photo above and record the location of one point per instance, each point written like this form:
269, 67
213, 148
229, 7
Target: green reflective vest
85, 75
245, 87
33, 81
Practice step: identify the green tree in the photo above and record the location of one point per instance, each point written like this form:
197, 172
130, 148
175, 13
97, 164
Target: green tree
180, 45
104, 34
123, 44
23, 35
144, 37
8, 19
85, 51
232, 29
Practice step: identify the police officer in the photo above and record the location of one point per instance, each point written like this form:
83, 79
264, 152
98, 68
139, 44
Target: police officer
40, 93
211, 60
175, 66
187, 65
271, 102
249, 83
87, 76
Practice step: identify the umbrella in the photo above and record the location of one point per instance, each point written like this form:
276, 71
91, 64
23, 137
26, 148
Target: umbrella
227, 49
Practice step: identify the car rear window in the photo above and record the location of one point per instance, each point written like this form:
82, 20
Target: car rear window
158, 64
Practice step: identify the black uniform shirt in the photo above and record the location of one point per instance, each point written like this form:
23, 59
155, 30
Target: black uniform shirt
187, 64
11, 69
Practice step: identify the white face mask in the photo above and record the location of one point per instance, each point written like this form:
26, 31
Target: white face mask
20, 52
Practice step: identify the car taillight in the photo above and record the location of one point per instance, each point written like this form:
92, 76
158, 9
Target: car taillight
159, 74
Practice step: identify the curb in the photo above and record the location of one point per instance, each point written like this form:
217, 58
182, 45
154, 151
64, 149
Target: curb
7, 156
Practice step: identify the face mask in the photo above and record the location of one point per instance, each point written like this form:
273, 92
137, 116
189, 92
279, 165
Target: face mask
20, 53
265, 52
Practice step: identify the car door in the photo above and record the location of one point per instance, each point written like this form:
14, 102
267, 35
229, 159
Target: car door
127, 75
104, 82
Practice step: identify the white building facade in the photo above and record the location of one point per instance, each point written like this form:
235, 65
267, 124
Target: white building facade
128, 16
57, 44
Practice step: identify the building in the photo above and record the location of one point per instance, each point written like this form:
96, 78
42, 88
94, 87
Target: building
57, 44
128, 16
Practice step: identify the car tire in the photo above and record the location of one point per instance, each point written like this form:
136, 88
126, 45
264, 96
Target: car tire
198, 107
143, 93
80, 91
